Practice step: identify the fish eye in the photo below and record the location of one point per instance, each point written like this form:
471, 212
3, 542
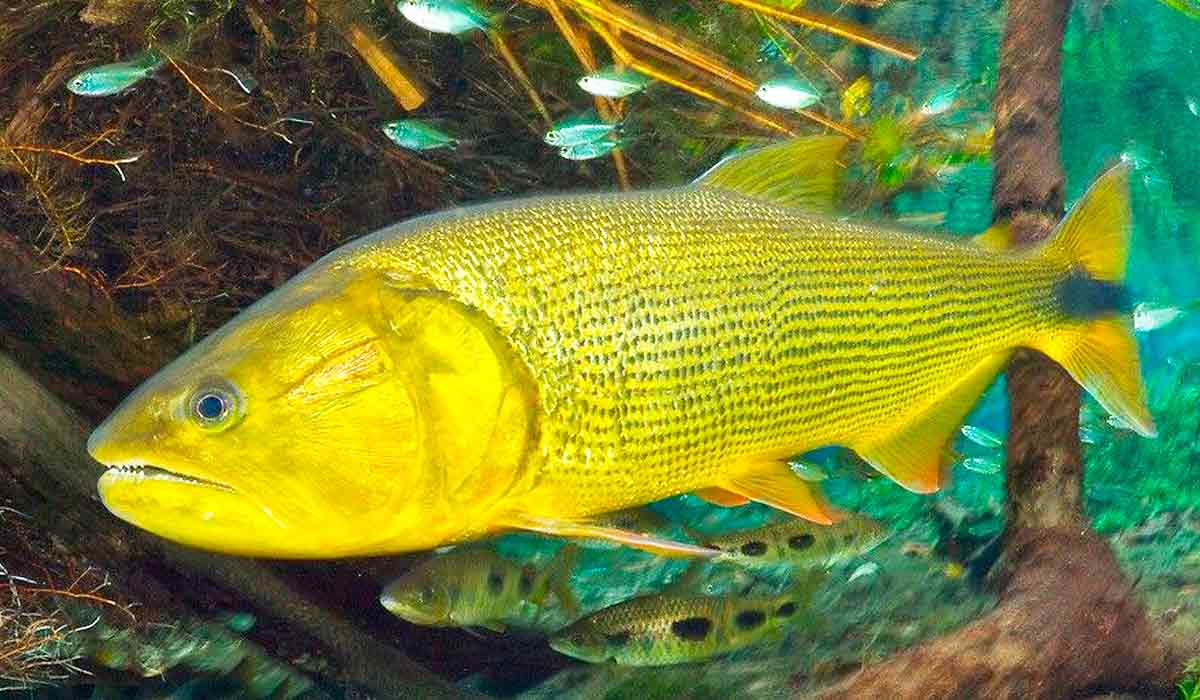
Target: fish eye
213, 406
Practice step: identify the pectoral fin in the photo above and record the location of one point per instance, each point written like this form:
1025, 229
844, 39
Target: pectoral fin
916, 452
774, 484
582, 528
721, 497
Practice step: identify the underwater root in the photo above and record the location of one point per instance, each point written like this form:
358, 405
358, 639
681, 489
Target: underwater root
29, 650
1067, 622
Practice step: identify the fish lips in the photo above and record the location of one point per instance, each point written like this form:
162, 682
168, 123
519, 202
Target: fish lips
194, 512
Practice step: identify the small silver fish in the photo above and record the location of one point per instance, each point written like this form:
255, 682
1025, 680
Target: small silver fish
982, 465
115, 78
865, 571
588, 151
417, 135
789, 92
1151, 317
446, 16
808, 471
981, 437
614, 82
1118, 423
581, 128
941, 101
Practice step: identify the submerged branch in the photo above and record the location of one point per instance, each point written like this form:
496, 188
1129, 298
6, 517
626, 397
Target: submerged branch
76, 156
832, 25
514, 65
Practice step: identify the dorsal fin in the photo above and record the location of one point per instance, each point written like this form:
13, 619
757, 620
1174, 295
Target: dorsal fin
997, 237
802, 172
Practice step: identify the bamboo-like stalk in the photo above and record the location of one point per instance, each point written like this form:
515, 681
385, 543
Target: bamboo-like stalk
399, 79
386, 65
832, 25
647, 30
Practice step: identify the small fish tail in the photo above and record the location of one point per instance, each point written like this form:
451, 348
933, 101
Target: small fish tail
557, 577
1092, 244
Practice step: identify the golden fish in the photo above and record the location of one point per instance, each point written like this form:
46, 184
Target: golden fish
528, 364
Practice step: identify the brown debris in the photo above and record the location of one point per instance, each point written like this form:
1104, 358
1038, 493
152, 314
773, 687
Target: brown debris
113, 13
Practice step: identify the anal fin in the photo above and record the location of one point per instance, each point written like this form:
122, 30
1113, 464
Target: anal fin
581, 528
916, 452
773, 483
721, 497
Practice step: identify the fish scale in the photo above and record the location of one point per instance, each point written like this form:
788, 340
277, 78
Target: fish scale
656, 300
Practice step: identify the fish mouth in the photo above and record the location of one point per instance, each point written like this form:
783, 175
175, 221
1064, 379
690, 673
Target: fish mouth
134, 473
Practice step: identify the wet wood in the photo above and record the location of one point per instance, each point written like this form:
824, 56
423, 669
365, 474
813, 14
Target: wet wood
66, 331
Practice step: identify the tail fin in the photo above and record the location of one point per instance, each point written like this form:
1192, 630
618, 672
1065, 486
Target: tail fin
1093, 243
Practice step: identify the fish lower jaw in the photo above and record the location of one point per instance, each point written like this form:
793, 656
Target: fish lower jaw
136, 473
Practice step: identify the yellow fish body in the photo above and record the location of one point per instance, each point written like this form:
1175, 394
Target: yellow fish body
528, 364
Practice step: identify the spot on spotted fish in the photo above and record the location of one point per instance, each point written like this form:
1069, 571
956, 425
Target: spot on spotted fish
692, 629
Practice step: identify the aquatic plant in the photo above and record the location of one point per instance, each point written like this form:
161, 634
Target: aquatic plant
1189, 684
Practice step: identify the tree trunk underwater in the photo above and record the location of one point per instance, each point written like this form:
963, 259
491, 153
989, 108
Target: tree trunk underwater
1067, 623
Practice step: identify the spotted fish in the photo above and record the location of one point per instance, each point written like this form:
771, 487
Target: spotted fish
658, 630
475, 587
799, 543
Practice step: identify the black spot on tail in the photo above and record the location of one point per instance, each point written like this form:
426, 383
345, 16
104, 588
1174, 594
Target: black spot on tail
692, 629
1083, 297
801, 541
786, 610
749, 619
